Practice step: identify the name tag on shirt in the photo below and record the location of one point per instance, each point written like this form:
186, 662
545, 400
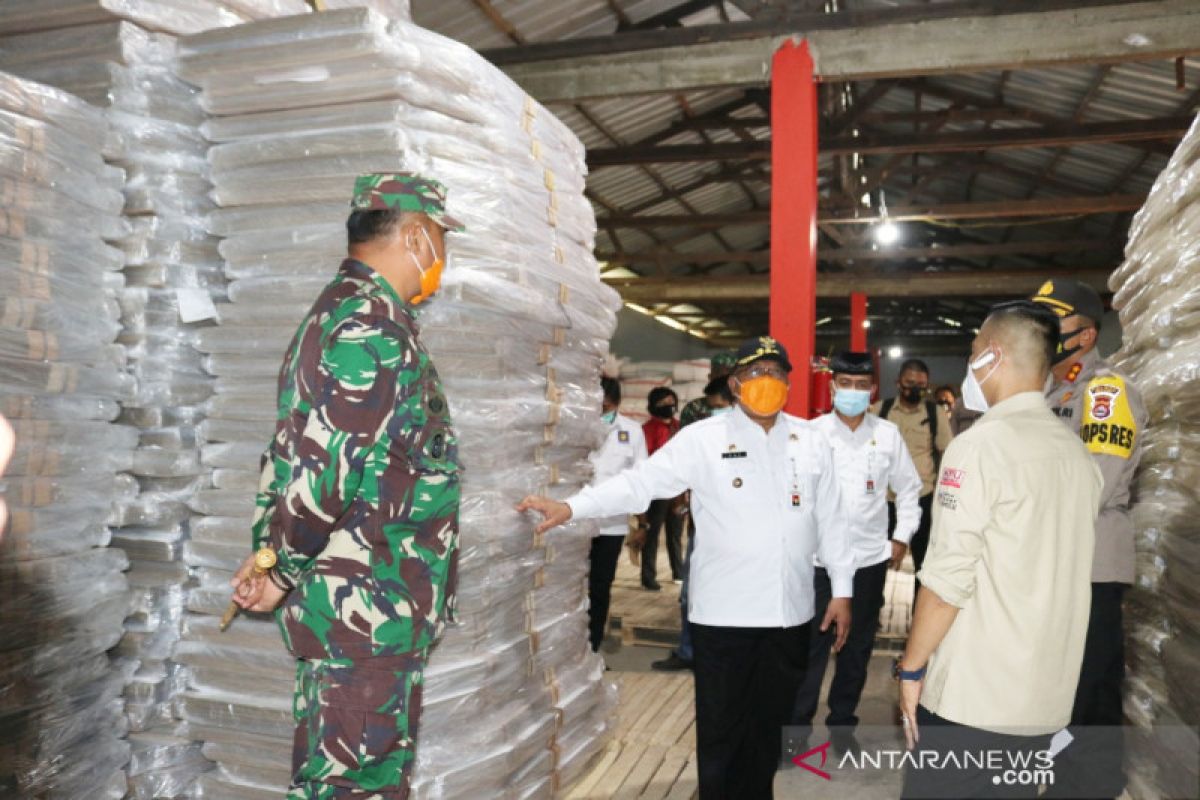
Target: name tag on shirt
740, 454
795, 499
870, 486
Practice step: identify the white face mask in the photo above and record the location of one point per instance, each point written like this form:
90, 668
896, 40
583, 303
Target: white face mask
972, 388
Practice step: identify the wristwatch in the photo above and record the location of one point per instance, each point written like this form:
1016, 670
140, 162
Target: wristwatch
907, 675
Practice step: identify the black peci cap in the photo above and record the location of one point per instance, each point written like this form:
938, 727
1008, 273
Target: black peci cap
849, 363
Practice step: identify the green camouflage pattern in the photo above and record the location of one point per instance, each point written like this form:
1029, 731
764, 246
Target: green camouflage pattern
360, 487
726, 359
355, 730
694, 411
403, 191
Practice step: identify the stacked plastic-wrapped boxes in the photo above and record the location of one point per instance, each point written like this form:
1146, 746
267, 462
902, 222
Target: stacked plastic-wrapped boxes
63, 594
515, 703
1157, 292
112, 54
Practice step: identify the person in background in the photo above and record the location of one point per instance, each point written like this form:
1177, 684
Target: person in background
1105, 409
719, 368
623, 447
960, 417
718, 400
945, 397
6, 451
359, 498
666, 513
926, 434
997, 640
869, 459
766, 501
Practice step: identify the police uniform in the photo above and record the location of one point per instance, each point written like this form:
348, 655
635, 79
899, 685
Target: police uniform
764, 505
359, 497
623, 447
1106, 410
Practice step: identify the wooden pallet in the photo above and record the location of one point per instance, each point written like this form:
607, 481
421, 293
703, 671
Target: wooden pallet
653, 752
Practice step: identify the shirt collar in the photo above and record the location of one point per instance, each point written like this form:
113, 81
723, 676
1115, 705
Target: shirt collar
1020, 402
742, 423
360, 270
842, 428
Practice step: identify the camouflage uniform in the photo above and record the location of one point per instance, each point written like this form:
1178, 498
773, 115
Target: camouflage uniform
698, 409
359, 497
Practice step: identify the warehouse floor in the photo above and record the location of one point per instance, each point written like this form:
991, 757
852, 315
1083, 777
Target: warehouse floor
653, 751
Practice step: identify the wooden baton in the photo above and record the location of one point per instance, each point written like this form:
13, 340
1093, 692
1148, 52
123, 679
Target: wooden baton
264, 562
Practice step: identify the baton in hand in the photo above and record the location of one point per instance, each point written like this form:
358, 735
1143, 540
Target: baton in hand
264, 562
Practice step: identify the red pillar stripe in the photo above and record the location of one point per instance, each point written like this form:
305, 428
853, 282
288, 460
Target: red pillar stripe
794, 214
858, 319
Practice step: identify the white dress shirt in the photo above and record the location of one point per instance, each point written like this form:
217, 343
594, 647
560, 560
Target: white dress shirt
763, 504
624, 446
869, 461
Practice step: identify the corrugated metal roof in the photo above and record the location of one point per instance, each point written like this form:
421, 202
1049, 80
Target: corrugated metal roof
1125, 91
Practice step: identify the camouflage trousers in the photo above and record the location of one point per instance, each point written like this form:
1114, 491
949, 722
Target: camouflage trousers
355, 730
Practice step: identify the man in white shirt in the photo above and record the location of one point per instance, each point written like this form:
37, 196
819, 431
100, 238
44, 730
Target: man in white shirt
624, 446
870, 458
1006, 587
765, 501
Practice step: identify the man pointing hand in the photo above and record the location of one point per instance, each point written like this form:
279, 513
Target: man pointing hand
765, 501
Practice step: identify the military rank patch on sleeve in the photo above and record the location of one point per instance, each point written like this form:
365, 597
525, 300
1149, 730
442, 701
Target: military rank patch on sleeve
1108, 427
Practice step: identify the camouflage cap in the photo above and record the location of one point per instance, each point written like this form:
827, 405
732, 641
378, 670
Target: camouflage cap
403, 191
725, 359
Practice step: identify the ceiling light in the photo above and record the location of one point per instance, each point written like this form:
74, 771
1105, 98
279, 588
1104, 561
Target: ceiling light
895, 351
824, 321
887, 232
866, 323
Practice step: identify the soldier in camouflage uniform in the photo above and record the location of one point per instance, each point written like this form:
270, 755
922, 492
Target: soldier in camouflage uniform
719, 366
359, 497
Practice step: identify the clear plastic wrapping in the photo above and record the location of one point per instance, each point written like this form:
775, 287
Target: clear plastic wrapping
1155, 293
518, 333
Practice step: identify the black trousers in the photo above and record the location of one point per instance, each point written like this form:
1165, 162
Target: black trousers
941, 737
1091, 765
602, 561
850, 675
920, 540
746, 683
659, 516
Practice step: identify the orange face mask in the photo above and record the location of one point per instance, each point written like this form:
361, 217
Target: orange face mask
431, 279
764, 395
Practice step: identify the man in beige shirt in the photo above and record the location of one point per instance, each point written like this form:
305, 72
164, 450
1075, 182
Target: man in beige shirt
926, 434
997, 641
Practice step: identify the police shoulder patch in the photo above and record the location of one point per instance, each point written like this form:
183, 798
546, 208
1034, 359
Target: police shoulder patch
1108, 426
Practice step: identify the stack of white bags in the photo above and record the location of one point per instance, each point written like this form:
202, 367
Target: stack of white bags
62, 377
119, 55
1157, 292
515, 704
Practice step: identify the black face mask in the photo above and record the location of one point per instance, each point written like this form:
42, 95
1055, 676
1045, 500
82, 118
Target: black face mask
1064, 352
663, 412
912, 394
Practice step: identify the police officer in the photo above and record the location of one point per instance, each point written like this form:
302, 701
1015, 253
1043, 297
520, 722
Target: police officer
870, 459
623, 447
1106, 409
766, 501
359, 497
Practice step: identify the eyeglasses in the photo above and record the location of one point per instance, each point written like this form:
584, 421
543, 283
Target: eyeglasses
765, 370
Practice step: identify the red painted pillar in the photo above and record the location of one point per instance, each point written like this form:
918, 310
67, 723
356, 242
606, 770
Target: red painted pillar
858, 322
794, 215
